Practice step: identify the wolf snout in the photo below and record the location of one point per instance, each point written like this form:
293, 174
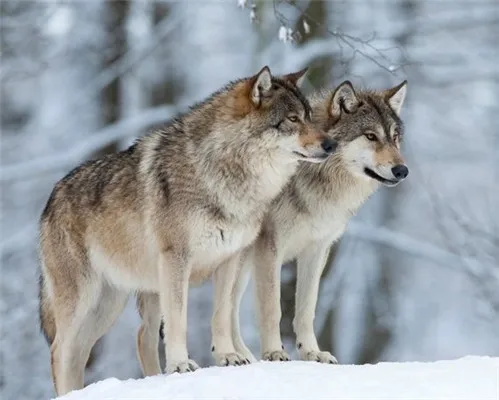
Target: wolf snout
315, 147
329, 145
400, 171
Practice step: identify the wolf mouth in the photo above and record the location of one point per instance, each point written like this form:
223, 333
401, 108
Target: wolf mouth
371, 174
317, 158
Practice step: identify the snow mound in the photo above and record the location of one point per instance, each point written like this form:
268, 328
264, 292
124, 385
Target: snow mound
474, 378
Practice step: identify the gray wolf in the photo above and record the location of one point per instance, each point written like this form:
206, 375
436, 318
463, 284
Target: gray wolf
174, 209
314, 208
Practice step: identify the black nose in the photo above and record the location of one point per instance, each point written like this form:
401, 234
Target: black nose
329, 145
400, 171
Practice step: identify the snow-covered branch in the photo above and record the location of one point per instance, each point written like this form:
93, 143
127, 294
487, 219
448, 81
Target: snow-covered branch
398, 241
410, 245
89, 144
296, 58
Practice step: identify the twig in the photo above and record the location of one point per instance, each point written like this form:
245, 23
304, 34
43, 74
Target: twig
347, 40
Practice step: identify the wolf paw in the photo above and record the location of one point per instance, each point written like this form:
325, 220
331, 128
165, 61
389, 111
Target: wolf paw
246, 354
319, 356
278, 355
226, 359
181, 367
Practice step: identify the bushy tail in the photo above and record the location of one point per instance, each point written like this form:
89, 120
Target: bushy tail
47, 321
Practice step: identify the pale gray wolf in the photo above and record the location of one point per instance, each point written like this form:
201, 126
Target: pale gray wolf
175, 208
314, 208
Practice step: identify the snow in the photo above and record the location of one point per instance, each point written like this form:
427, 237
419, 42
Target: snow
242, 3
285, 34
306, 27
474, 378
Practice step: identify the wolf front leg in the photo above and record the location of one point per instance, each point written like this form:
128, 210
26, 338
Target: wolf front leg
223, 348
240, 286
267, 274
174, 272
310, 264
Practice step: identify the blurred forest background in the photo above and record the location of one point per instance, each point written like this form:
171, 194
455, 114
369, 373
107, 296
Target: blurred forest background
416, 275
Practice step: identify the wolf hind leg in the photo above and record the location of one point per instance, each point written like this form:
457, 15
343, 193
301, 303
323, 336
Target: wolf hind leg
149, 309
79, 326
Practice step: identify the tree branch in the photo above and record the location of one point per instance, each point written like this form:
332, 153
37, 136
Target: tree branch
398, 241
89, 144
355, 44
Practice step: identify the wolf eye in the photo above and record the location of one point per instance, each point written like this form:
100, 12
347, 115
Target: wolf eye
293, 118
371, 136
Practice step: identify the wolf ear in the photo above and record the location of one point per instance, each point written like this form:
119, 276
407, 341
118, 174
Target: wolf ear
296, 78
262, 83
395, 97
344, 100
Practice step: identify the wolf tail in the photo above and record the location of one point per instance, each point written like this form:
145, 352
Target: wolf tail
47, 321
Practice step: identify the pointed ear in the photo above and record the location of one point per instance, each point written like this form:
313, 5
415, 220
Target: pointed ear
344, 100
395, 97
262, 83
296, 78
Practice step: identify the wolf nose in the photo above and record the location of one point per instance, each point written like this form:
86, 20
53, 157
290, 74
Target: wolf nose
329, 145
400, 171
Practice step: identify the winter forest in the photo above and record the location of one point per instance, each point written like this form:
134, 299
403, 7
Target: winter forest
414, 278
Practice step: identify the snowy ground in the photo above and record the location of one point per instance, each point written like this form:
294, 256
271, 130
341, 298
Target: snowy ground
474, 378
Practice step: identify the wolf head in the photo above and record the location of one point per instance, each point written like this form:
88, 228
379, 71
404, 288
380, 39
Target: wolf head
368, 129
273, 111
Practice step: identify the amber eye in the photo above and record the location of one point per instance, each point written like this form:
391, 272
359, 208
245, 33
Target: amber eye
371, 136
293, 118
